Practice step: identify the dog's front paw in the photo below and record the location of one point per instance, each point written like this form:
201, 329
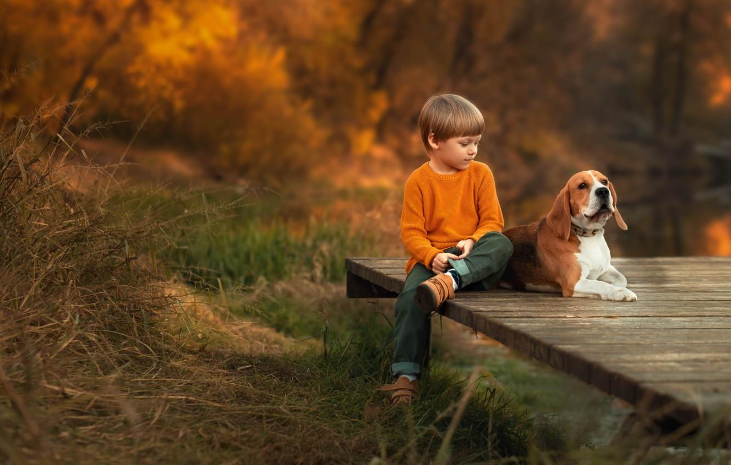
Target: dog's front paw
621, 294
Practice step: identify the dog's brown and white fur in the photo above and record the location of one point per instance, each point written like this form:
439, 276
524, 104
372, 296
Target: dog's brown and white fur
548, 257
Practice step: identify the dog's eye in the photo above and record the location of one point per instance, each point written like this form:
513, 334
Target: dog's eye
605, 182
582, 185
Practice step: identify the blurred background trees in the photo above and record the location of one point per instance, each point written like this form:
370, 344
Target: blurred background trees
294, 92
274, 88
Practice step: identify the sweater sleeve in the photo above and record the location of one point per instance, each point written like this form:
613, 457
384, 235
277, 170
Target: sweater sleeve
413, 231
488, 206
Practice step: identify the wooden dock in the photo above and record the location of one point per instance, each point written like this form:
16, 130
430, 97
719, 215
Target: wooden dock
669, 352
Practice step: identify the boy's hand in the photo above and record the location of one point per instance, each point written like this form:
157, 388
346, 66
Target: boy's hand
466, 247
441, 262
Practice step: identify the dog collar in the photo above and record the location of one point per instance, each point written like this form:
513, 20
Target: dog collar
579, 231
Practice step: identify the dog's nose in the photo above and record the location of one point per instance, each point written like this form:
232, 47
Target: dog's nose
602, 192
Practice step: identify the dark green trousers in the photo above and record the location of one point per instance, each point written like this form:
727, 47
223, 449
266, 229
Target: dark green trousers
481, 269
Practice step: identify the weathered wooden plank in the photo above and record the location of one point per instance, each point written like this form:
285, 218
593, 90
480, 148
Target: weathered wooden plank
501, 295
651, 347
540, 347
680, 270
647, 358
670, 261
488, 304
627, 385
515, 309
549, 306
649, 351
459, 314
600, 336
361, 268
674, 338
682, 263
357, 287
688, 400
621, 324
642, 296
701, 286
689, 259
704, 370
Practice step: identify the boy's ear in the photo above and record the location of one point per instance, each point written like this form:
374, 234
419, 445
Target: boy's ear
432, 142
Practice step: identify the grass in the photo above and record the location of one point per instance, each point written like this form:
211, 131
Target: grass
584, 414
339, 389
251, 243
245, 251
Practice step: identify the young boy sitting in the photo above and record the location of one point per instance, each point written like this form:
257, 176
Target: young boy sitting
451, 225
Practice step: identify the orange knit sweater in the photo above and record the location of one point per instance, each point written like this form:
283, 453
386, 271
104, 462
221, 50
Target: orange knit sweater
442, 209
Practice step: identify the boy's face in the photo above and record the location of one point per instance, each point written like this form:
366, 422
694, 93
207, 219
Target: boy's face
455, 153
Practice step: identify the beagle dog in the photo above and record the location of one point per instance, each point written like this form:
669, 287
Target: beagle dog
565, 251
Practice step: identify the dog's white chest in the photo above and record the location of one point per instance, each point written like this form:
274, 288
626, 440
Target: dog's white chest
593, 254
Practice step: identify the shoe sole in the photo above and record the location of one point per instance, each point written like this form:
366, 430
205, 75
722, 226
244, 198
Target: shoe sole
425, 299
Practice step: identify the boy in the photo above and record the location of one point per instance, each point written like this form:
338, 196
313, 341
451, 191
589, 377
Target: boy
451, 225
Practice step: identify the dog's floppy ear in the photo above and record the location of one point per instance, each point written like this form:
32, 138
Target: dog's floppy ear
559, 218
617, 216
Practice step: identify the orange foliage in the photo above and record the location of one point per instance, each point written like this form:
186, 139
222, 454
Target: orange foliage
719, 83
718, 237
279, 91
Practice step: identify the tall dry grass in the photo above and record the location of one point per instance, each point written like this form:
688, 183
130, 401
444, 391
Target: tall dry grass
84, 315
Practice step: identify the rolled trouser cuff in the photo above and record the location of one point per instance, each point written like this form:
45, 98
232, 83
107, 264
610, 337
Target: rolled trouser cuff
462, 269
406, 368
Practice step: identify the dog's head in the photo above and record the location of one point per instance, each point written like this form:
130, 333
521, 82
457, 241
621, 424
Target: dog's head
588, 200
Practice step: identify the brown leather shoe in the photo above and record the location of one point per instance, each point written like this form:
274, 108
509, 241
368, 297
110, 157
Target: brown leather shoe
432, 293
404, 391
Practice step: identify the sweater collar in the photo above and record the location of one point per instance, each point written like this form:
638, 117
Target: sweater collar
445, 177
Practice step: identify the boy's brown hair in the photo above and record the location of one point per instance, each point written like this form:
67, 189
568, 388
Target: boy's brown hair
447, 116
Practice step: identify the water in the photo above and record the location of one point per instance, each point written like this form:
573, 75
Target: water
678, 205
